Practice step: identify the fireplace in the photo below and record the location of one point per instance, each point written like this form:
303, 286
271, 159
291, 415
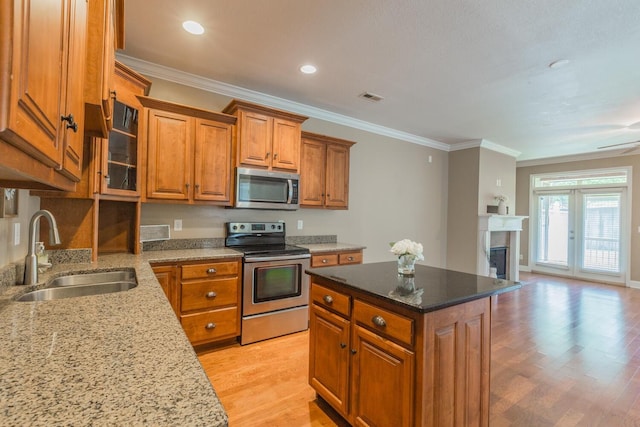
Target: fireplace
498, 260
499, 231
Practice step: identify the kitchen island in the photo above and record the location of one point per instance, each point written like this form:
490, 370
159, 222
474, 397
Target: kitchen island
387, 349
112, 359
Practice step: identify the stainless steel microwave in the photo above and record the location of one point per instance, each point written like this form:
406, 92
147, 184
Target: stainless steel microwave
262, 189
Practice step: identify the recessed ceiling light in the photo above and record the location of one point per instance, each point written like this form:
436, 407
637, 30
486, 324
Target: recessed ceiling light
193, 27
308, 69
559, 63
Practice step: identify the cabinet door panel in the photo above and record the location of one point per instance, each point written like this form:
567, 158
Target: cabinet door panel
329, 361
168, 155
256, 132
166, 275
312, 178
337, 180
37, 69
213, 161
203, 294
382, 381
286, 145
73, 140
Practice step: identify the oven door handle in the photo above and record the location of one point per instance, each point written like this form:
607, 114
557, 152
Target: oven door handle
277, 258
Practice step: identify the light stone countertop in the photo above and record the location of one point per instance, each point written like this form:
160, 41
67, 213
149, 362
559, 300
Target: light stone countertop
113, 359
316, 248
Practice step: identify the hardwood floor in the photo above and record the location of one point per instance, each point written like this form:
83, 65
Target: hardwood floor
564, 353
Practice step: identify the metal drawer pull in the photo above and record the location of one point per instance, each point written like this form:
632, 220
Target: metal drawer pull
211, 271
210, 325
211, 294
379, 321
350, 258
328, 299
324, 261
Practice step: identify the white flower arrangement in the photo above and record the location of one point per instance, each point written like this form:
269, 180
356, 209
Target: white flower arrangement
407, 247
501, 198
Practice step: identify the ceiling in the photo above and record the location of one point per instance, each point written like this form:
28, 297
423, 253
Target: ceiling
450, 71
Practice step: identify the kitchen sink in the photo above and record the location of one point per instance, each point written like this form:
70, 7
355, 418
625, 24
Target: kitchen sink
78, 285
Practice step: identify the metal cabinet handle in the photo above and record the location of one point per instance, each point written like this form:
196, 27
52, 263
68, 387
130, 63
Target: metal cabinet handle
350, 258
328, 299
379, 321
275, 156
324, 261
354, 351
71, 123
267, 156
113, 94
211, 271
343, 345
211, 294
210, 325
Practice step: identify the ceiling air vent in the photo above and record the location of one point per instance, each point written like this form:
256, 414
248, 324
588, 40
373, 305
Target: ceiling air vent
371, 96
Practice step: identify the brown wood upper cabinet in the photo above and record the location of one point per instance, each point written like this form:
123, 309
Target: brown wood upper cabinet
99, 88
267, 138
324, 175
188, 153
42, 79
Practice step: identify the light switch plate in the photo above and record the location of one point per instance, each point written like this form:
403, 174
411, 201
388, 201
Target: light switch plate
300, 224
177, 225
16, 233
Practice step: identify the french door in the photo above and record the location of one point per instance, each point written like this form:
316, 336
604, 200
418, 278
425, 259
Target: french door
579, 233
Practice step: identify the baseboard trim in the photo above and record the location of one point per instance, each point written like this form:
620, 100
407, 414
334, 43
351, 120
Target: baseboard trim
524, 268
634, 284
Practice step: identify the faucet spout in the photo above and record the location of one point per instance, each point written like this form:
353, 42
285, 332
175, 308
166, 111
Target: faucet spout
31, 260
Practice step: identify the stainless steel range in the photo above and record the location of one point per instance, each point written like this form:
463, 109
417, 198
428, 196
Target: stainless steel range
275, 289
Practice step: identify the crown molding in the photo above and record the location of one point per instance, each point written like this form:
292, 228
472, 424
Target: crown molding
176, 76
574, 158
484, 143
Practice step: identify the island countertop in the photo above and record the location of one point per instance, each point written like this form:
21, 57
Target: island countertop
428, 290
113, 359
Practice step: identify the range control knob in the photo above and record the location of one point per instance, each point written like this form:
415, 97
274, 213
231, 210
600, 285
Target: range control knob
242, 227
273, 226
279, 227
235, 227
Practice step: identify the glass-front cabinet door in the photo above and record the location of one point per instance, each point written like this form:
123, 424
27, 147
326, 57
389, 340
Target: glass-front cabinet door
120, 153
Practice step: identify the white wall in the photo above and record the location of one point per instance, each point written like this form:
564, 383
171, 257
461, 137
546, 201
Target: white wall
395, 192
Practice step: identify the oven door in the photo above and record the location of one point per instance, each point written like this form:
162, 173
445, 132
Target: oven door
272, 284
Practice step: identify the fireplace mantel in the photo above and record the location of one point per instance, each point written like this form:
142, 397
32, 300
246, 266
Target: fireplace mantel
500, 222
489, 223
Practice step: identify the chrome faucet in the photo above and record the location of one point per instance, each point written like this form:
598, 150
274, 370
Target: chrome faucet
31, 261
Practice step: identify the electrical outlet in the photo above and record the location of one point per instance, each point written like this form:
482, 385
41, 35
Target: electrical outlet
16, 233
177, 225
498, 182
300, 224
430, 159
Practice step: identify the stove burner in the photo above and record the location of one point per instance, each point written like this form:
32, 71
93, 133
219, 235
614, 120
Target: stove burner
260, 239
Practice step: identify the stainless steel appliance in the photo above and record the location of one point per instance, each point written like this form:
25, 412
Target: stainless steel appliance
262, 189
275, 288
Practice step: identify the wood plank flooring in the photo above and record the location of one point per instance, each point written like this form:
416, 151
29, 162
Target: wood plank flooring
564, 353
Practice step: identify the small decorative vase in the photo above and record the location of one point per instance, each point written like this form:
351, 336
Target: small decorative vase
406, 265
502, 208
493, 272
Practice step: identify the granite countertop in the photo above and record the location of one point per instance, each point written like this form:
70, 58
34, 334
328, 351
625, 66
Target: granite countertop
428, 290
330, 247
113, 359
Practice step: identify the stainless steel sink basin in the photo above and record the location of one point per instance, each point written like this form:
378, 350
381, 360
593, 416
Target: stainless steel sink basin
78, 285
93, 278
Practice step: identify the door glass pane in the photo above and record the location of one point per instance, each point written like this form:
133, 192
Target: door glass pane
277, 282
553, 229
601, 225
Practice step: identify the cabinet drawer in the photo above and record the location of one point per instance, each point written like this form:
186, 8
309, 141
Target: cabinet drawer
204, 294
383, 321
324, 260
211, 325
200, 271
331, 299
351, 258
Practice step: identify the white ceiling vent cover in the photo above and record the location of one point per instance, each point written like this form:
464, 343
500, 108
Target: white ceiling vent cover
152, 233
371, 96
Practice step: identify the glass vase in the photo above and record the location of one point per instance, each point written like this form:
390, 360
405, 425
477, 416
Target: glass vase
406, 265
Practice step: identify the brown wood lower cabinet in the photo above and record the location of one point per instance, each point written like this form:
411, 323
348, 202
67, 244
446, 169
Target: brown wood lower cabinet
328, 259
205, 296
380, 364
